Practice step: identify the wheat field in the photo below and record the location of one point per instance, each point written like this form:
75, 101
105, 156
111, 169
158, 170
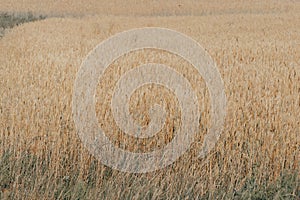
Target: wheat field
256, 46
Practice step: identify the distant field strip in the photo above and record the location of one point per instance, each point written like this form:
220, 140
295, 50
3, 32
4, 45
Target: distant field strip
149, 7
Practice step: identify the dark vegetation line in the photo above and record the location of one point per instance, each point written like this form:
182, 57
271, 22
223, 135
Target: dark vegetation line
10, 20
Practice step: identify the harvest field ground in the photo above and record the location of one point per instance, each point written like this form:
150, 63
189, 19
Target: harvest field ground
256, 47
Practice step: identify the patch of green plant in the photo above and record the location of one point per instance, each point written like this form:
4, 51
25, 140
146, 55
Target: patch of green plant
287, 186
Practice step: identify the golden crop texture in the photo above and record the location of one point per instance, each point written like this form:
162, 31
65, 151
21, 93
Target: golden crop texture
255, 45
